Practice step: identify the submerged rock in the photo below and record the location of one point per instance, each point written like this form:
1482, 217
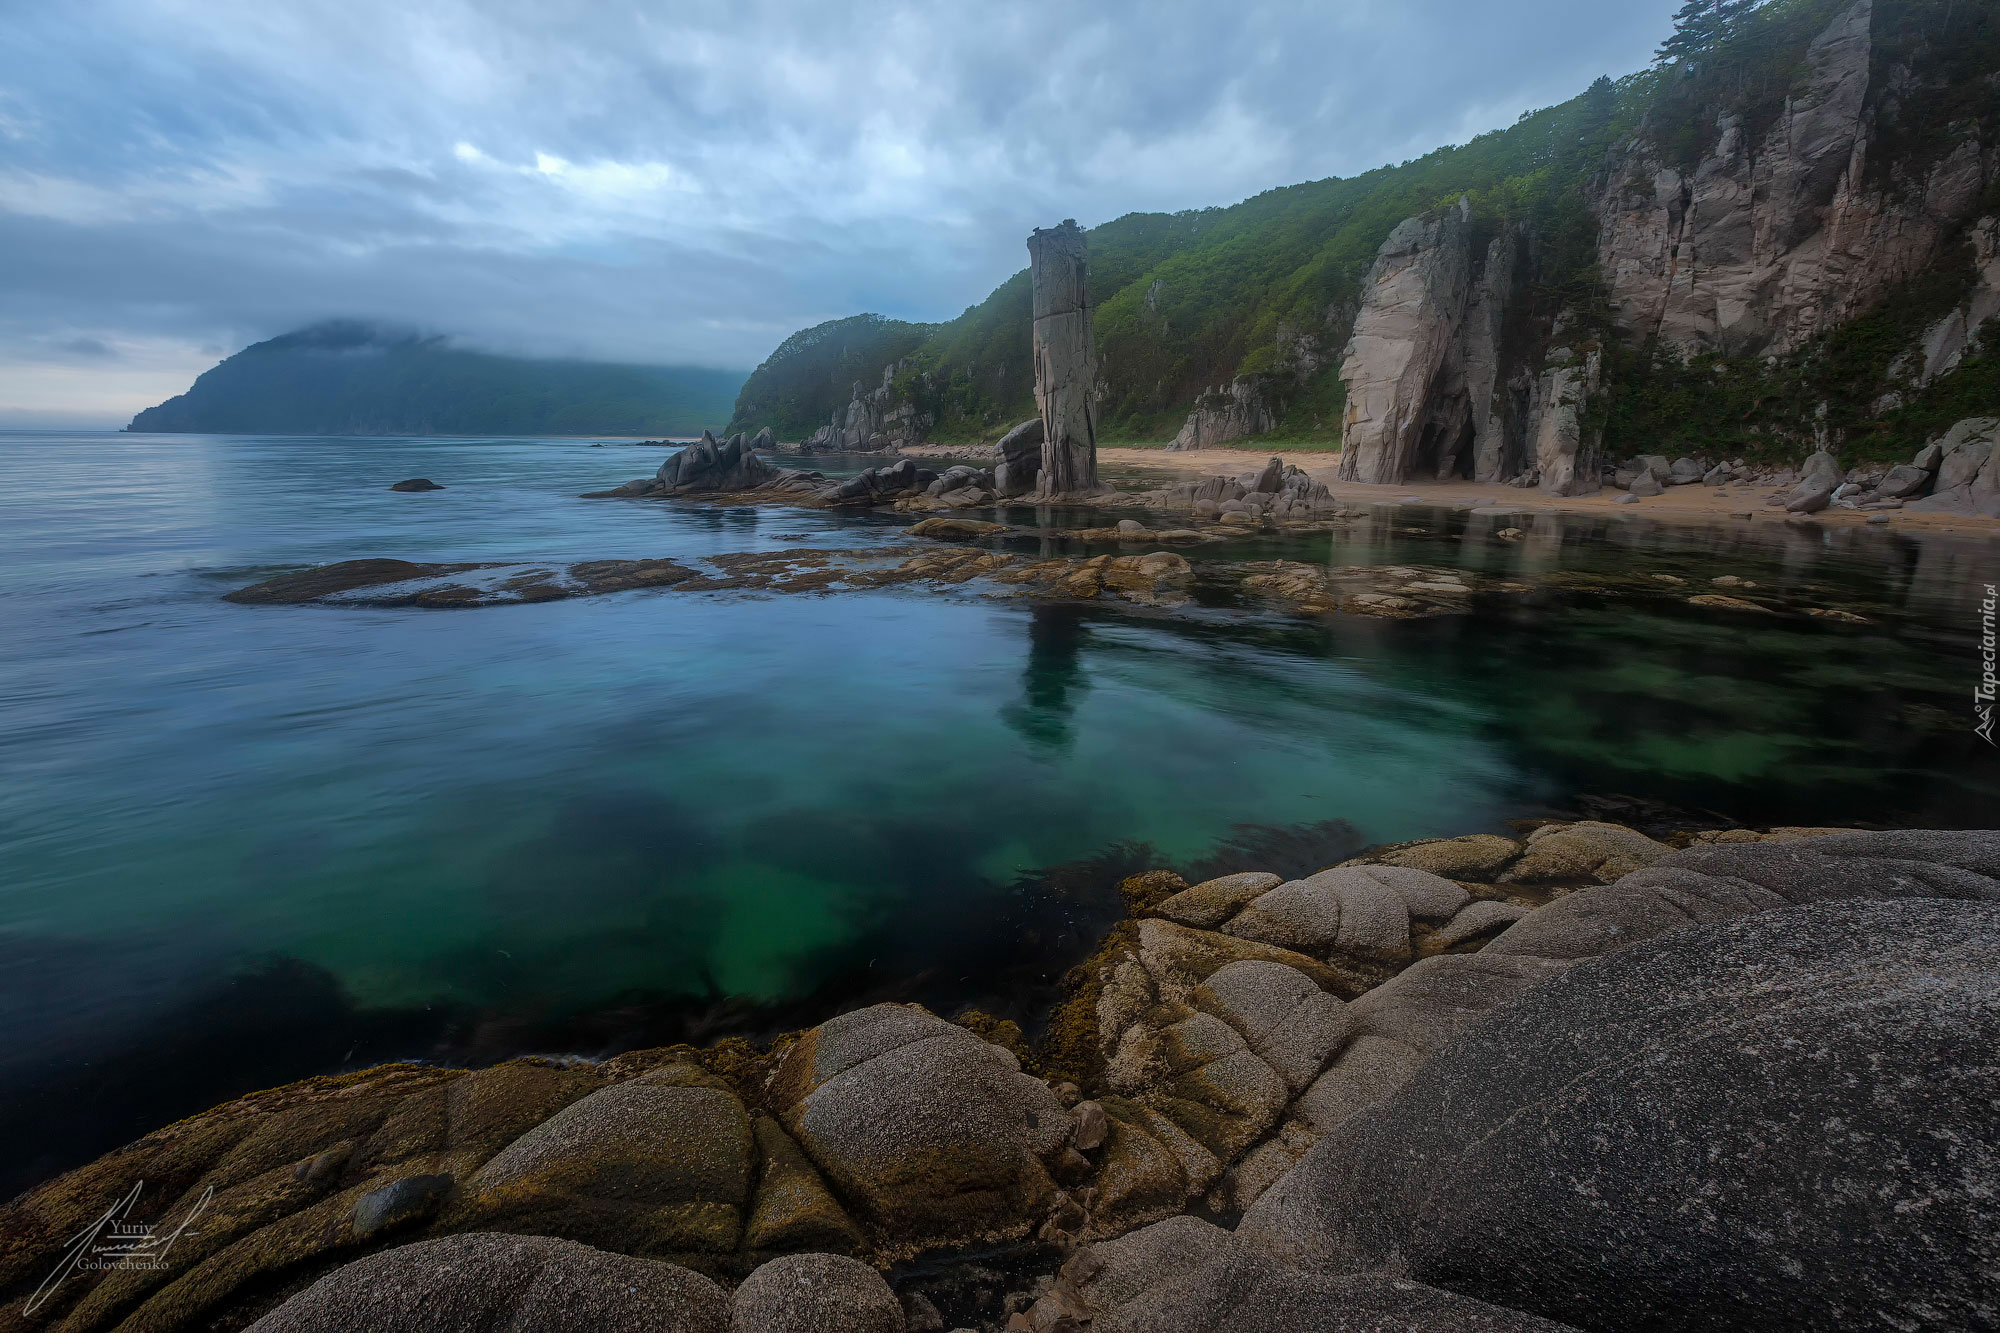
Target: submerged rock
417, 484
346, 576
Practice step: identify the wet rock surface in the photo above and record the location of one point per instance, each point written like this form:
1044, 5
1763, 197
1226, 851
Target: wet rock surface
1313, 1054
1013, 560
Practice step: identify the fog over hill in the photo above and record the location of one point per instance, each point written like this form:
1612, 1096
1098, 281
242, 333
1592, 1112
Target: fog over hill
351, 378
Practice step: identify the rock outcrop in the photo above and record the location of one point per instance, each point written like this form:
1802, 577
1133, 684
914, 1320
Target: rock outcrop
1483, 346
1065, 359
1412, 304
1017, 460
1759, 248
727, 465
1235, 411
529, 1284
874, 421
1565, 447
1399, 1181
879, 485
1470, 1083
1967, 478
666, 1160
1437, 386
1667, 1111
815, 1293
1946, 342
1765, 244
935, 1136
1278, 490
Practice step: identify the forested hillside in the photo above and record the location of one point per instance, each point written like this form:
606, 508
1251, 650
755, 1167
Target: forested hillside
1270, 288
346, 378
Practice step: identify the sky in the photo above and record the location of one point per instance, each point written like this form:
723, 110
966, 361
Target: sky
667, 183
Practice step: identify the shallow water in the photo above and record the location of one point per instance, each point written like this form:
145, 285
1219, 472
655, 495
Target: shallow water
240, 845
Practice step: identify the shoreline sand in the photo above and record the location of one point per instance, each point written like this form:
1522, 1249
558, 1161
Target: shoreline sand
1683, 504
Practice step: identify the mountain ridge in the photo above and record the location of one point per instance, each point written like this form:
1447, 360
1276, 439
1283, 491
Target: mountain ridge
351, 377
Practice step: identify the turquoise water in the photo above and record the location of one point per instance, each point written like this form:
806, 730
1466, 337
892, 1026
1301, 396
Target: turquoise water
244, 844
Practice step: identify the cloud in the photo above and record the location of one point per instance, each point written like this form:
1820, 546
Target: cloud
685, 183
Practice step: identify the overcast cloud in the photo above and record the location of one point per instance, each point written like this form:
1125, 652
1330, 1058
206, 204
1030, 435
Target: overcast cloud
667, 182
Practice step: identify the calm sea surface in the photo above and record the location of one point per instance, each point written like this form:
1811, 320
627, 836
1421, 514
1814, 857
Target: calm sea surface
240, 845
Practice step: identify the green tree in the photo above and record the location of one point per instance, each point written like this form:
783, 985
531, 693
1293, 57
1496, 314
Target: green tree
1700, 27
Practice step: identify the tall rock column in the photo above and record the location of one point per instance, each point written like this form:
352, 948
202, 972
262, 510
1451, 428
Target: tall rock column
1065, 359
1411, 308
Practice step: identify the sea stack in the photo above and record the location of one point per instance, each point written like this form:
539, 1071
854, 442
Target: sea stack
1065, 359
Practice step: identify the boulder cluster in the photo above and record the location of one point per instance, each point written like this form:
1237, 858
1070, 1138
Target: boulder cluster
1584, 1079
712, 466
1954, 474
1276, 491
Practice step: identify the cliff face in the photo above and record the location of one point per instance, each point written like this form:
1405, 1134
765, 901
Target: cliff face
1763, 247
1945, 343
1427, 371
1766, 244
1411, 308
1793, 205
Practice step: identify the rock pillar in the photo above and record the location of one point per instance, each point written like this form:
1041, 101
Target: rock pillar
1065, 359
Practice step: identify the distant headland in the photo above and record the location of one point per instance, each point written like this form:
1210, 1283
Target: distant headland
347, 377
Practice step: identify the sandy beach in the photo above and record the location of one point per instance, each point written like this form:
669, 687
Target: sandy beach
1701, 504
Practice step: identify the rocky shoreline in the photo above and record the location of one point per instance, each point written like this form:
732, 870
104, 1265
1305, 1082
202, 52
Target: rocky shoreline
1052, 564
1582, 1078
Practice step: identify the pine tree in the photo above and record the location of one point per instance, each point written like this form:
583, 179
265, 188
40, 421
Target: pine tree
1700, 26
